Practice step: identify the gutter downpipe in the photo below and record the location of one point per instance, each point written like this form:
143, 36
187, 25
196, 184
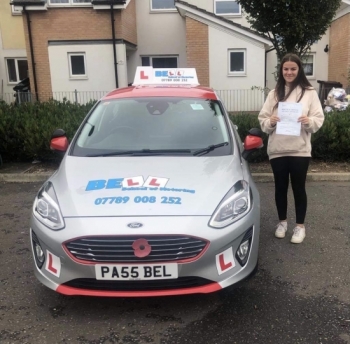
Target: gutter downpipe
266, 52
31, 53
114, 49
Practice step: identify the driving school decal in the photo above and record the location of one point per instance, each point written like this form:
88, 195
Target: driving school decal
137, 183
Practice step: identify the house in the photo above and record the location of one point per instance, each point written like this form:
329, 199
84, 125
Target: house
13, 56
339, 46
88, 47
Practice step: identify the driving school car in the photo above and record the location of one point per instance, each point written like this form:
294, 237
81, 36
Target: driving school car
153, 195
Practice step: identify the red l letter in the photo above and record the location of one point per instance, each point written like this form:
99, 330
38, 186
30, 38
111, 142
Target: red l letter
153, 182
223, 265
142, 75
50, 267
130, 183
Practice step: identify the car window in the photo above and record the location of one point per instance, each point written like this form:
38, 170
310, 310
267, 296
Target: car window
154, 123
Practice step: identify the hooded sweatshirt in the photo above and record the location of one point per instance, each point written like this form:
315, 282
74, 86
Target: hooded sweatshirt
286, 145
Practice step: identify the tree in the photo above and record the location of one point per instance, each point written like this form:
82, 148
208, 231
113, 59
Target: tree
292, 25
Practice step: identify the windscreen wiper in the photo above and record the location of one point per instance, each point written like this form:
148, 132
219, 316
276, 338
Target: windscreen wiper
209, 148
142, 152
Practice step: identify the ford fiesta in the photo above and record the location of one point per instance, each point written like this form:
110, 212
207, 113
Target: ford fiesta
153, 196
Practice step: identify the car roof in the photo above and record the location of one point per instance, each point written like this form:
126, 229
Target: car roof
162, 91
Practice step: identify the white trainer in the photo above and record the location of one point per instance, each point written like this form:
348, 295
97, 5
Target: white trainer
299, 235
281, 230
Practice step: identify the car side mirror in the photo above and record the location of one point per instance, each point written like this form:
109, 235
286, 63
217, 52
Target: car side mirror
252, 142
59, 141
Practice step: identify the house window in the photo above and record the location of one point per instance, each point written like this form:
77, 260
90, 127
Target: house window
309, 65
237, 61
227, 7
77, 65
17, 69
159, 61
162, 5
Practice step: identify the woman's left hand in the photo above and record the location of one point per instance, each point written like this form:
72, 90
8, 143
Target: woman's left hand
304, 120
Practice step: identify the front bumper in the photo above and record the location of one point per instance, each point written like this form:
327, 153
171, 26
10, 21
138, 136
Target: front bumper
65, 275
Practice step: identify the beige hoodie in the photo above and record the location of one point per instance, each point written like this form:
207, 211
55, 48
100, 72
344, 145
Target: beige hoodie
285, 145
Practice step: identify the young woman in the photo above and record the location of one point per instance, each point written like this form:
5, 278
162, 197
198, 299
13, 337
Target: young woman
290, 155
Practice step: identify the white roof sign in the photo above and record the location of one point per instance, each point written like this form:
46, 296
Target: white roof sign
165, 76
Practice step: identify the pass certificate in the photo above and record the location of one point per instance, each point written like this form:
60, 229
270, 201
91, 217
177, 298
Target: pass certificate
289, 114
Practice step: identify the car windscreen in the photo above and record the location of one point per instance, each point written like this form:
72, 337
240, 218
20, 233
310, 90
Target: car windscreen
165, 125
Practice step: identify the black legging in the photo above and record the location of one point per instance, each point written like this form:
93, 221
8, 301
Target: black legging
297, 168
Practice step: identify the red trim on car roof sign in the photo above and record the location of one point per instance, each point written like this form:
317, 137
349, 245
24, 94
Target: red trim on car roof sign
210, 288
162, 91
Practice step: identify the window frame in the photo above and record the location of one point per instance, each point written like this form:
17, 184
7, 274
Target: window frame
228, 14
15, 11
151, 57
237, 50
70, 3
16, 59
313, 54
160, 10
77, 76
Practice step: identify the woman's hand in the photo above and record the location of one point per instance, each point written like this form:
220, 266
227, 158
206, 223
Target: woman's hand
273, 120
304, 119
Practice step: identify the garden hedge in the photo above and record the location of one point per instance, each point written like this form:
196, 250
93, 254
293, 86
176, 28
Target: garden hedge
26, 129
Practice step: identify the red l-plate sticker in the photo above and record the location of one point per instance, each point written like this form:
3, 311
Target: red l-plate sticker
53, 264
50, 266
224, 266
225, 261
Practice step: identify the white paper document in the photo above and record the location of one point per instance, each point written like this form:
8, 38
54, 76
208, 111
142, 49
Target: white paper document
289, 114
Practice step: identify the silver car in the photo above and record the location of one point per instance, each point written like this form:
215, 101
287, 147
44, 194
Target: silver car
153, 197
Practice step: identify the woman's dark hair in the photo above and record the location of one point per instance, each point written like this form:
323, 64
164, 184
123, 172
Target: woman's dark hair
300, 80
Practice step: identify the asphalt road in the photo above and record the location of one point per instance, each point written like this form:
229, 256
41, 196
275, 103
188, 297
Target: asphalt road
300, 294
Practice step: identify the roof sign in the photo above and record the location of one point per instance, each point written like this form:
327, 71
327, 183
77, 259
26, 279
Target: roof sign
165, 76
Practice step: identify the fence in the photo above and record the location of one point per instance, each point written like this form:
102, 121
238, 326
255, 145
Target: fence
242, 100
248, 100
234, 100
78, 97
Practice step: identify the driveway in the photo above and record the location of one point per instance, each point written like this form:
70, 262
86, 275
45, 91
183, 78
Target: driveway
300, 294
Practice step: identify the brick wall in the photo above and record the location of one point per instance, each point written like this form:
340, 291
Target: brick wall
72, 24
339, 50
198, 49
128, 27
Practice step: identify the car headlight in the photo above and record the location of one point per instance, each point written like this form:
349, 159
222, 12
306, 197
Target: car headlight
46, 208
235, 205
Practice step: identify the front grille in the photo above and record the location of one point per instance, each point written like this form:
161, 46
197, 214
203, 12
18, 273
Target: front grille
119, 249
178, 283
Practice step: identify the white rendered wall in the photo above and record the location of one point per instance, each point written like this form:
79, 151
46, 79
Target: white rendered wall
99, 68
162, 33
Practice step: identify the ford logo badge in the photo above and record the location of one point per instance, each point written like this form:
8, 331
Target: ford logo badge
135, 225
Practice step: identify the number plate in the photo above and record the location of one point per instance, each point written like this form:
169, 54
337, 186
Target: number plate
136, 272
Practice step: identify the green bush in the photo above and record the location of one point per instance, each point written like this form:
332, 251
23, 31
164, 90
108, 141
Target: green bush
245, 122
330, 143
25, 130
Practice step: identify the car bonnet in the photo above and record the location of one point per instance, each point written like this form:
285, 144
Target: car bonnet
144, 186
